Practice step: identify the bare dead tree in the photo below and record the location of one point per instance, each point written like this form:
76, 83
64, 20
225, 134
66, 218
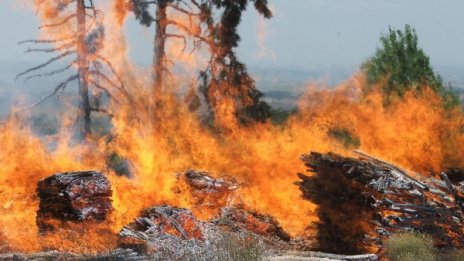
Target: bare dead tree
94, 72
165, 28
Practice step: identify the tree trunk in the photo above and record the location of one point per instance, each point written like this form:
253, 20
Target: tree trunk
83, 68
159, 48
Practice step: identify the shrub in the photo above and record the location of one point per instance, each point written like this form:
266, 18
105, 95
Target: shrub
410, 247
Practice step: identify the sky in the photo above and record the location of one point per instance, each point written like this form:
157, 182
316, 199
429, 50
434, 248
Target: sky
327, 36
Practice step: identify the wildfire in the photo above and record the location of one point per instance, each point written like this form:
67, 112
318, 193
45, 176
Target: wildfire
415, 132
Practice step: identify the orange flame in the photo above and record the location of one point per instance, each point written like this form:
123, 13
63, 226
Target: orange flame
415, 132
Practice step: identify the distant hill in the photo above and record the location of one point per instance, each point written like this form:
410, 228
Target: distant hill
281, 86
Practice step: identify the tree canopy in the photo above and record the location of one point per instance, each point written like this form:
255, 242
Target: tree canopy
400, 65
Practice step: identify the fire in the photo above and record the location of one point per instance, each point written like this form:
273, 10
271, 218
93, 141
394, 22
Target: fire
414, 132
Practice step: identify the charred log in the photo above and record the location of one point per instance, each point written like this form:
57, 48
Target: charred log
455, 175
73, 196
207, 193
147, 232
237, 219
343, 210
390, 199
203, 182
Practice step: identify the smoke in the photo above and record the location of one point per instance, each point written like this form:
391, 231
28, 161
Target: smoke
262, 36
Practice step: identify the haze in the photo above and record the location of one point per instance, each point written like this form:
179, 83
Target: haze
305, 40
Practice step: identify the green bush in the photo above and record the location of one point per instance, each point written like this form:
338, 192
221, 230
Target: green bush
410, 247
349, 140
280, 116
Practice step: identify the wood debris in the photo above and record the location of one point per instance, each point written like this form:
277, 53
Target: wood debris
73, 196
368, 199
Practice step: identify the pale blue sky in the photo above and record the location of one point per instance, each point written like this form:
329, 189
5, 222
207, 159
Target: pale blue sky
304, 34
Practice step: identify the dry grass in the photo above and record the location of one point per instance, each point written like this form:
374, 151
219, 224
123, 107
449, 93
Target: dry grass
227, 247
410, 247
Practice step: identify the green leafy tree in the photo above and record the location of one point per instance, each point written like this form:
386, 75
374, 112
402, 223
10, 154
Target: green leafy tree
399, 65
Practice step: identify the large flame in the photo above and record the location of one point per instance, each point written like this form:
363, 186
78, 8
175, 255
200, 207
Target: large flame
415, 132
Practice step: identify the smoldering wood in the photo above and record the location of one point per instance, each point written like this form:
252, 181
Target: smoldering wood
201, 180
147, 232
73, 196
236, 219
393, 200
208, 192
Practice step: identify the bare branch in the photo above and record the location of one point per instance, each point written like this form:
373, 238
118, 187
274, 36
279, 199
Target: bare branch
60, 23
56, 58
39, 3
52, 72
196, 4
59, 87
178, 36
104, 77
102, 110
182, 10
104, 89
190, 32
50, 50
47, 41
108, 63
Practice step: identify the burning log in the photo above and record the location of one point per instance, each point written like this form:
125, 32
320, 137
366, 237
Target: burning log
208, 193
202, 182
73, 196
166, 228
238, 219
390, 199
147, 233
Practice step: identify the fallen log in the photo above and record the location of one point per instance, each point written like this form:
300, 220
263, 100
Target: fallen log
312, 255
390, 198
115, 255
73, 196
